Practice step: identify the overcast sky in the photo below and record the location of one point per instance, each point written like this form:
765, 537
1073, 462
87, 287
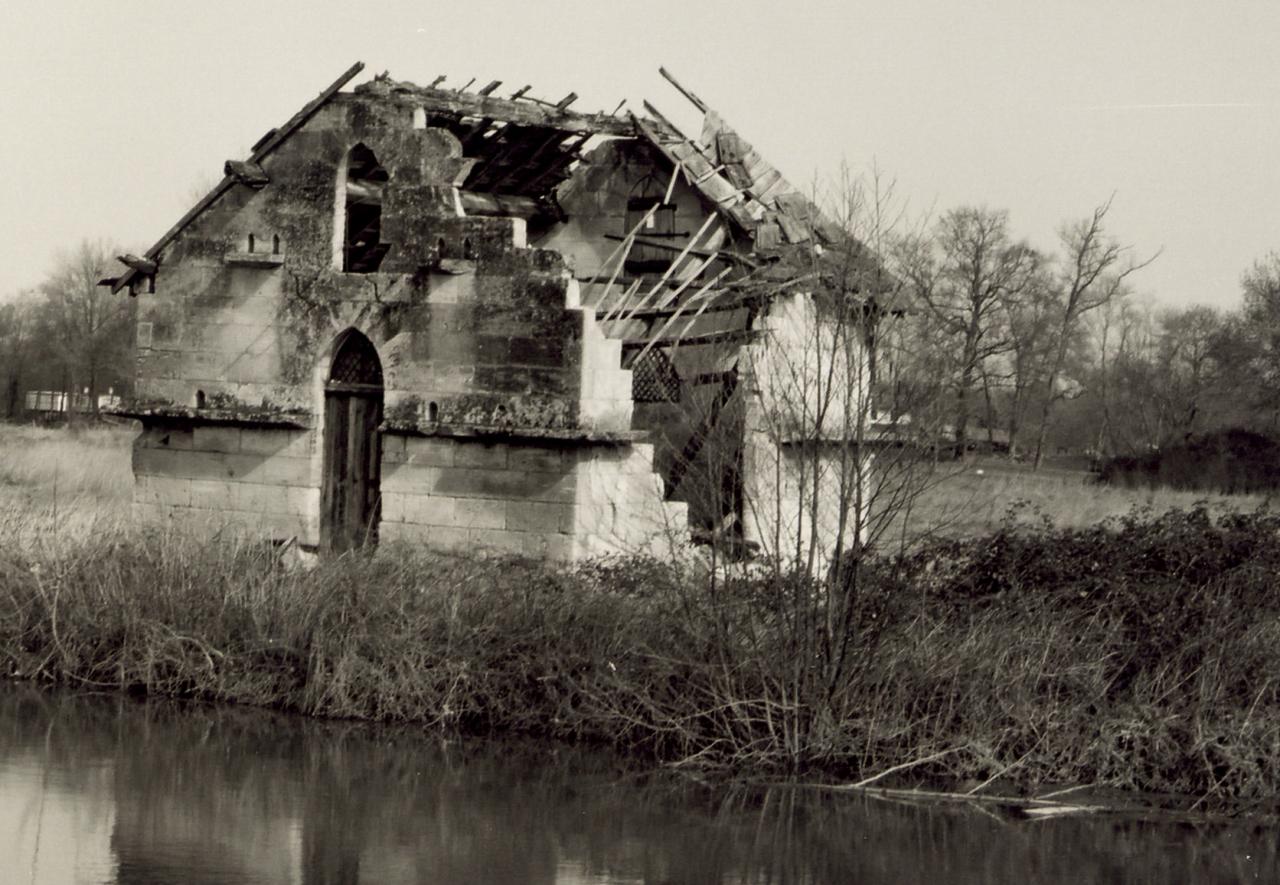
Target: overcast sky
115, 114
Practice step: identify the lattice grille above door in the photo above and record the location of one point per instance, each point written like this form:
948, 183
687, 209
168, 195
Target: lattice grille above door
356, 363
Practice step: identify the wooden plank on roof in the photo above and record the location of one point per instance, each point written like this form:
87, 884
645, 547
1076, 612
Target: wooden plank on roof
259, 153
726, 336
795, 231
659, 313
769, 187
702, 253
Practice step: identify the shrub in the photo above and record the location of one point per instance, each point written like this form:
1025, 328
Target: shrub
1232, 461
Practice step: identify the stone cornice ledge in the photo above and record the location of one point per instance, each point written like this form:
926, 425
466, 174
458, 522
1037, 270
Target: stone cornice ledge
245, 417
497, 433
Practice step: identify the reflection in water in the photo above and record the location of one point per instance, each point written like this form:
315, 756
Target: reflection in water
108, 789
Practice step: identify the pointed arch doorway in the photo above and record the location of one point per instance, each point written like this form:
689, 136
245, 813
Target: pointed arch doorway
350, 498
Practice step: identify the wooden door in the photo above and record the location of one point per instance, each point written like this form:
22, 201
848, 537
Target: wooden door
350, 498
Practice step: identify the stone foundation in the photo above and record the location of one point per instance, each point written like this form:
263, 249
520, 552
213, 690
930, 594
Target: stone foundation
559, 500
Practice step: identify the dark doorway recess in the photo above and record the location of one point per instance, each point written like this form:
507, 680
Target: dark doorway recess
350, 499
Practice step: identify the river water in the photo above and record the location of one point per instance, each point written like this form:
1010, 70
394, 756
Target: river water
110, 789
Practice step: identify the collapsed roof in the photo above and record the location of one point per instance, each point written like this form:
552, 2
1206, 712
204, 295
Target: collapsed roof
523, 148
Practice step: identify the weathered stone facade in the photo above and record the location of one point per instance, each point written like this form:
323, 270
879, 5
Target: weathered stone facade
413, 314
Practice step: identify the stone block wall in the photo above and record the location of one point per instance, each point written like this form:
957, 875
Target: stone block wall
805, 394
530, 497
261, 481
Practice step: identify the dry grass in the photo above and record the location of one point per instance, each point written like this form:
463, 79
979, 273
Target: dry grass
63, 484
56, 461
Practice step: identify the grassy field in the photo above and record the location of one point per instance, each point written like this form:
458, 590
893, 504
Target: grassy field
58, 484
977, 497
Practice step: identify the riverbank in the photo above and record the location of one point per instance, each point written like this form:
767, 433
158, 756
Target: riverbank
1139, 655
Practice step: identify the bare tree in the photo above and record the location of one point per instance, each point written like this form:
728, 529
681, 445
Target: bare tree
968, 275
91, 328
1096, 268
1031, 321
17, 347
1261, 314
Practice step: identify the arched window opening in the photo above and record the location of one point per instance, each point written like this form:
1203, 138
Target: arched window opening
647, 254
199, 399
275, 244
433, 412
251, 242
362, 248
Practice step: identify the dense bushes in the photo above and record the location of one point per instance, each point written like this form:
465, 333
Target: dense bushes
1234, 461
1139, 654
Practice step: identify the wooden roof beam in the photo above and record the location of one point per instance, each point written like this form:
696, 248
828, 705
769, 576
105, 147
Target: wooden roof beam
670, 78
726, 336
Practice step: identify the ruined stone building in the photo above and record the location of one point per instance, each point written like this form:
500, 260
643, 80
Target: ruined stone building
473, 321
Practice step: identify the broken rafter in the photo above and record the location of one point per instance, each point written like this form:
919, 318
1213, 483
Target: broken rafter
675, 134
568, 154
492, 85
515, 140
679, 260
670, 296
662, 244
725, 336
715, 306
670, 78
700, 298
524, 111
621, 253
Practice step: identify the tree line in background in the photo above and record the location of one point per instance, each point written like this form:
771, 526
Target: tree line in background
996, 343
67, 335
